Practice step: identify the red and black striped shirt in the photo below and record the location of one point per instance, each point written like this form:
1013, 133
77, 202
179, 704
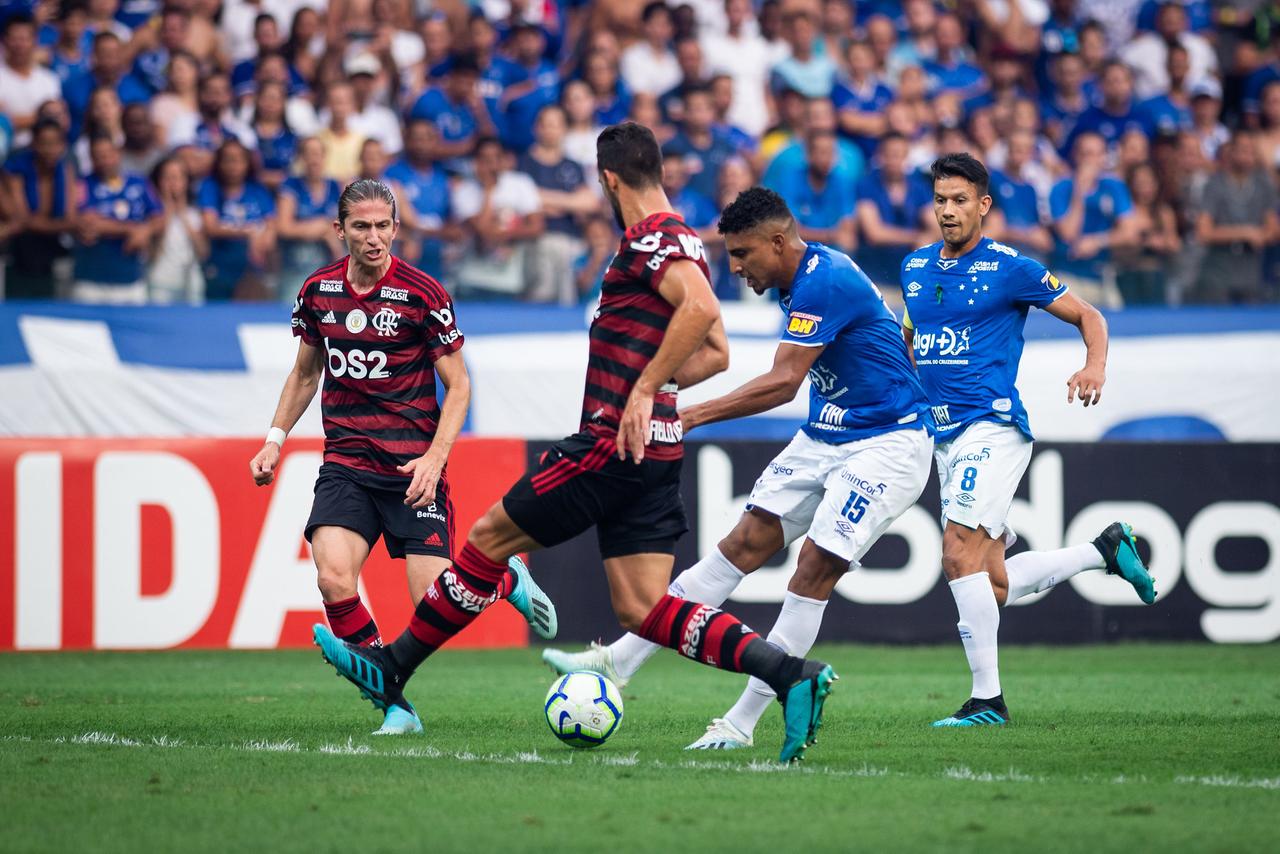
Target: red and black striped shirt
379, 394
629, 325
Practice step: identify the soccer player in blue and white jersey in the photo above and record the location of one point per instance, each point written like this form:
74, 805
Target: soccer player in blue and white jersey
967, 299
859, 461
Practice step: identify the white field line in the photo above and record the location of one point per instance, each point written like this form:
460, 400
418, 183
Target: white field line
757, 766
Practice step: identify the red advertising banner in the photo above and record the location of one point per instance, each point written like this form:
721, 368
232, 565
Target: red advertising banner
158, 543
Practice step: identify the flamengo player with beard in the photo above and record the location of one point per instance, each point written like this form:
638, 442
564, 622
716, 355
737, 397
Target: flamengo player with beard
657, 329
379, 331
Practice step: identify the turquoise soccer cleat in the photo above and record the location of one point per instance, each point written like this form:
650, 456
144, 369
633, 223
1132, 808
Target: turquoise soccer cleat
1120, 551
977, 712
527, 598
802, 711
368, 668
400, 720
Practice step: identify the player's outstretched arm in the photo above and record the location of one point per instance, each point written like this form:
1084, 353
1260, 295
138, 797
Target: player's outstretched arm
696, 311
299, 388
1087, 382
708, 360
426, 469
790, 366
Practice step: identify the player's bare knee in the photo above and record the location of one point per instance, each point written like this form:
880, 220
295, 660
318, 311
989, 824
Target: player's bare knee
335, 585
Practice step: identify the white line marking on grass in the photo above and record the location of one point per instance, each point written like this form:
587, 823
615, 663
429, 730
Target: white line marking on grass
1232, 782
627, 760
286, 746
1011, 776
348, 749
959, 773
96, 737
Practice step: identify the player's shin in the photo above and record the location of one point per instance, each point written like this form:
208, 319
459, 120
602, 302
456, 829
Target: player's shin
714, 637
453, 600
709, 581
794, 632
352, 622
979, 625
1034, 572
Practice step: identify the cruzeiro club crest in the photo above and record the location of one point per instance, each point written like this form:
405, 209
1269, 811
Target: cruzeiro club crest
385, 322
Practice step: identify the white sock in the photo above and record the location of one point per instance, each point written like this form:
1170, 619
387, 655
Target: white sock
1032, 572
794, 633
709, 581
979, 625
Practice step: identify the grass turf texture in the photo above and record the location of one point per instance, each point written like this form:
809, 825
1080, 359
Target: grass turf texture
1130, 747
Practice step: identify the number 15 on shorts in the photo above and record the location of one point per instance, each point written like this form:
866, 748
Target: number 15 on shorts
856, 507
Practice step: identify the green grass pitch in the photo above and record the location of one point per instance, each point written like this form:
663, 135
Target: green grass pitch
1116, 748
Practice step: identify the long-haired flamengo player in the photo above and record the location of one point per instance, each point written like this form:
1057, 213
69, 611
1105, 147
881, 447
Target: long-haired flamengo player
657, 329
383, 330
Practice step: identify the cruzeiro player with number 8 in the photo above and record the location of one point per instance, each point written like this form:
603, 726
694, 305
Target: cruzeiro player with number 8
380, 331
967, 299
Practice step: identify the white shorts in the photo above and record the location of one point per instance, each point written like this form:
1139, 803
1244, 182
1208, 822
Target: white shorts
844, 496
978, 473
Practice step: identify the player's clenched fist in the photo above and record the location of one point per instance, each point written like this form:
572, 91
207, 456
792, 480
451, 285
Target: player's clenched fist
263, 465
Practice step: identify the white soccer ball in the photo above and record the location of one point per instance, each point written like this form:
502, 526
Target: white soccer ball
583, 709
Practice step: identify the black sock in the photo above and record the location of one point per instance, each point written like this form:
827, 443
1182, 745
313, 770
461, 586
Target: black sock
771, 665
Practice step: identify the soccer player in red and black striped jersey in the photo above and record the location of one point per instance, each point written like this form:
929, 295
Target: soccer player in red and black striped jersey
657, 329
379, 331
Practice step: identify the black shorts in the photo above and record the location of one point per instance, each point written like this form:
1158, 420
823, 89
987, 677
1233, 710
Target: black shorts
344, 501
580, 482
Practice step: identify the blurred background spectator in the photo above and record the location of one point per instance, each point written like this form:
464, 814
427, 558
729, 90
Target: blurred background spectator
1133, 144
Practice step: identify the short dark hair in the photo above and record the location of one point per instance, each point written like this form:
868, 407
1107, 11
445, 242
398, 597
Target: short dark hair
657, 7
631, 152
962, 165
486, 141
21, 19
463, 63
753, 207
45, 124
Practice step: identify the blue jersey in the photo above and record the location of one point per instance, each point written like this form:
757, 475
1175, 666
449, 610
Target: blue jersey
862, 384
229, 257
427, 191
308, 255
277, 152
968, 315
126, 199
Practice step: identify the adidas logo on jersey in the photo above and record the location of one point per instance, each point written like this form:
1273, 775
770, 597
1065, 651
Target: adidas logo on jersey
433, 540
329, 318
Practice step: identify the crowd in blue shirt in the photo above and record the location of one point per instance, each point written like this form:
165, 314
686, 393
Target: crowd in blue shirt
1134, 145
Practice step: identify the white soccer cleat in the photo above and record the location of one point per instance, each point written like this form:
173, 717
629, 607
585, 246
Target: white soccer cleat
594, 659
722, 735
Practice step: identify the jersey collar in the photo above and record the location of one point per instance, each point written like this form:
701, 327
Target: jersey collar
643, 225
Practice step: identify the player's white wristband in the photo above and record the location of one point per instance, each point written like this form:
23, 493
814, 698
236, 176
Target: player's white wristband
275, 434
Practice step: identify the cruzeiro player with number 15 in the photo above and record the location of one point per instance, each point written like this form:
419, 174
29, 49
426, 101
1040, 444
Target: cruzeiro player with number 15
967, 299
380, 331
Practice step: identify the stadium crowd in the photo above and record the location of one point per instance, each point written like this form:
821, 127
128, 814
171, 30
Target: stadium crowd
194, 150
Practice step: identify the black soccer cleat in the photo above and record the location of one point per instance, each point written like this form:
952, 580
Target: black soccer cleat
371, 669
975, 712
